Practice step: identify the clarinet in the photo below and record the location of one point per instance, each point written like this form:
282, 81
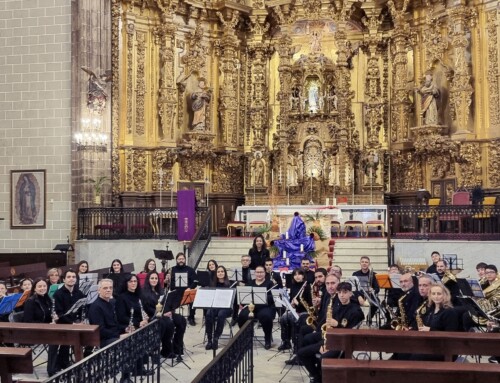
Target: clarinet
53, 311
130, 327
144, 316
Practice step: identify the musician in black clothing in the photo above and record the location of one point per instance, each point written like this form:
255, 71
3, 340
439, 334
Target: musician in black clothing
449, 280
192, 281
218, 316
64, 299
344, 314
102, 313
366, 272
150, 296
273, 276
117, 275
258, 253
300, 292
38, 308
246, 279
441, 317
264, 313
305, 264
331, 283
435, 256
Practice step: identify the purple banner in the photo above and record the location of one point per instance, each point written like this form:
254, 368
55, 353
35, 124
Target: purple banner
186, 215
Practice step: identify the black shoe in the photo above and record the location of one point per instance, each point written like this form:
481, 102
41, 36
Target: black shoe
494, 359
172, 355
209, 345
179, 358
143, 372
293, 361
215, 344
315, 379
267, 345
191, 322
284, 346
234, 322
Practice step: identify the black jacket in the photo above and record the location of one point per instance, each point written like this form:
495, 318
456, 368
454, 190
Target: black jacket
64, 300
125, 302
102, 313
306, 295
258, 258
192, 277
38, 309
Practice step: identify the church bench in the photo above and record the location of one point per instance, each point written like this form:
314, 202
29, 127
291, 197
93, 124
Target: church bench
14, 360
432, 342
384, 371
14, 273
77, 335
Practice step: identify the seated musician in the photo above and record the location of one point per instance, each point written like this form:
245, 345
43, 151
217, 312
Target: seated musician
300, 293
393, 293
38, 307
82, 267
102, 313
218, 316
263, 313
245, 280
373, 287
150, 296
435, 257
341, 313
131, 315
271, 275
149, 266
407, 305
64, 299
306, 266
441, 317
449, 280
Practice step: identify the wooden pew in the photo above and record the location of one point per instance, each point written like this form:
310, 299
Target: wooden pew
443, 343
77, 335
387, 371
32, 270
14, 360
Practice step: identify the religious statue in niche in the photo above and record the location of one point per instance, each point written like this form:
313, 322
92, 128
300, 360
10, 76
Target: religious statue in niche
313, 95
292, 171
295, 98
258, 167
332, 99
316, 42
429, 92
332, 176
96, 93
201, 99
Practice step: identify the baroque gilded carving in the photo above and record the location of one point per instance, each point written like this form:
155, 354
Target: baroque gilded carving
163, 160
140, 87
493, 71
227, 174
494, 163
470, 165
135, 170
196, 54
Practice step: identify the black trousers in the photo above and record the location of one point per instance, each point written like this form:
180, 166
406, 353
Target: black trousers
219, 317
57, 359
265, 315
311, 345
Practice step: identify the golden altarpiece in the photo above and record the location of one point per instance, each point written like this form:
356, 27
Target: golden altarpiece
312, 99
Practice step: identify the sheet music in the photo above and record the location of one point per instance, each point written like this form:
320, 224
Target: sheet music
475, 286
260, 295
204, 298
236, 274
92, 295
285, 302
181, 279
395, 278
277, 298
244, 295
252, 274
78, 304
223, 298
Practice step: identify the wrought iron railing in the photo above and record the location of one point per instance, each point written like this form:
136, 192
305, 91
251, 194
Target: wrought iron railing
200, 241
234, 364
130, 223
119, 359
466, 222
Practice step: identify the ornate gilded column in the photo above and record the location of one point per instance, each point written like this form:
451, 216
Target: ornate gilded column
228, 88
167, 101
461, 19
493, 75
400, 105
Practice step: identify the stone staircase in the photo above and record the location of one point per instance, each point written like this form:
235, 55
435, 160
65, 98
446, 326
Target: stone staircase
346, 252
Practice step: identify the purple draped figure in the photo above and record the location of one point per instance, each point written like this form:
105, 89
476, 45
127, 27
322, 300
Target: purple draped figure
296, 236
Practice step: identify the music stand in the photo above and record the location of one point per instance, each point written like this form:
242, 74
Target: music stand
236, 274
395, 280
64, 248
203, 278
164, 256
79, 304
464, 287
474, 308
214, 298
476, 288
384, 281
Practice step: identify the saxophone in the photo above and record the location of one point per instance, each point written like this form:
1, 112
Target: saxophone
422, 309
400, 323
329, 317
311, 319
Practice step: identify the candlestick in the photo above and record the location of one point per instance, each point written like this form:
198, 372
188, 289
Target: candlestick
301, 247
288, 261
284, 254
286, 235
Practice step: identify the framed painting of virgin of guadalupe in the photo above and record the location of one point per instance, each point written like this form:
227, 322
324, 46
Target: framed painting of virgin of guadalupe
27, 196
